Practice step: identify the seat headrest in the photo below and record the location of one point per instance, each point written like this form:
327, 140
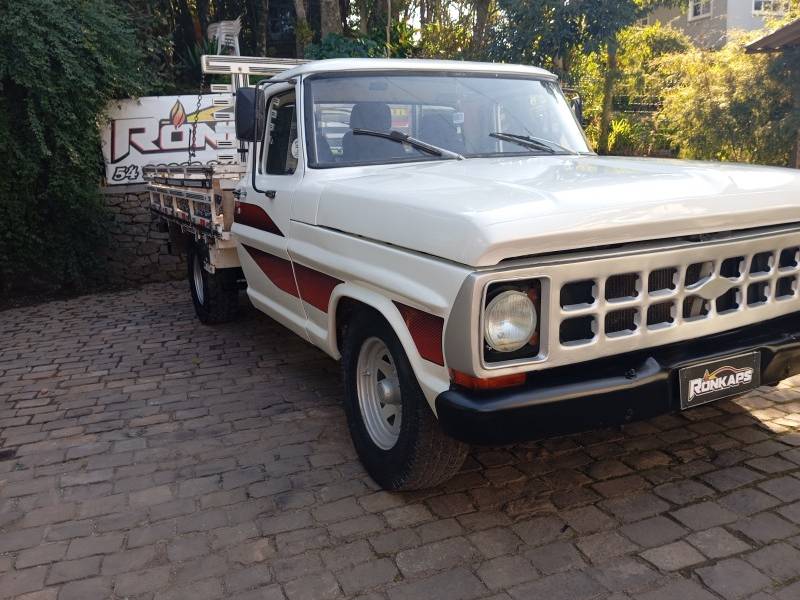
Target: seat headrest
371, 115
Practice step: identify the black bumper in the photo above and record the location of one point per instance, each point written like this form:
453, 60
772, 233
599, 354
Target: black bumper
611, 391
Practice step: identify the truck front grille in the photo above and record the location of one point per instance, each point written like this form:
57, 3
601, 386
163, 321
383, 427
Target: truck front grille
711, 284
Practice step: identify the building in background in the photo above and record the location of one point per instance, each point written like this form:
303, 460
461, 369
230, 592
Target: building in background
709, 22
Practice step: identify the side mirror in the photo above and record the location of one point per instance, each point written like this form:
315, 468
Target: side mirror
249, 112
577, 108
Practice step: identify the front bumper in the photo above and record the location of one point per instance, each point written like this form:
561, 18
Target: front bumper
610, 391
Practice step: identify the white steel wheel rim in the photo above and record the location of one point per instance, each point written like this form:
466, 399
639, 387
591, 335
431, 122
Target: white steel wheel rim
197, 276
378, 389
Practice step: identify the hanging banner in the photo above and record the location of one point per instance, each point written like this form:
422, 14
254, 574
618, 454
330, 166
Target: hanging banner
158, 129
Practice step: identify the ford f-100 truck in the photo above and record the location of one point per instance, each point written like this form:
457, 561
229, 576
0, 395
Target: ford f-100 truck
444, 229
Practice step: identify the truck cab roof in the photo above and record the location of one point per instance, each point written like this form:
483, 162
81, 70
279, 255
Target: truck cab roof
412, 64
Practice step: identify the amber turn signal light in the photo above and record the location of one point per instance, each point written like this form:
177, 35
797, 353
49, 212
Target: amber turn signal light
492, 383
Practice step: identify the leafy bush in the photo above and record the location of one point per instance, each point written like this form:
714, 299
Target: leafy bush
728, 105
638, 82
61, 61
335, 45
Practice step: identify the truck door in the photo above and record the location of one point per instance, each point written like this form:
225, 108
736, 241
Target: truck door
261, 219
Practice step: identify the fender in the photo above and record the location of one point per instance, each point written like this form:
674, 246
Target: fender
432, 378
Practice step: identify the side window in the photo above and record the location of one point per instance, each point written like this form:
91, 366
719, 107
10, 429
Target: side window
280, 152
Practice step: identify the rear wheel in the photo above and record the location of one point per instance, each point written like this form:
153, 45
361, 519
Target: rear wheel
397, 437
215, 295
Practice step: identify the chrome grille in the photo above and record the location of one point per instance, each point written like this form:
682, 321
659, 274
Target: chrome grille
703, 284
601, 303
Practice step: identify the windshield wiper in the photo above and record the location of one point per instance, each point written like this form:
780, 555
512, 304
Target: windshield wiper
530, 142
398, 136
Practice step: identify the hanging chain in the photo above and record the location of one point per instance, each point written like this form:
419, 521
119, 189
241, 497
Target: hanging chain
193, 135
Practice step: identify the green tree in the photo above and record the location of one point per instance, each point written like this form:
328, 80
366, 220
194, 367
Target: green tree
728, 105
61, 61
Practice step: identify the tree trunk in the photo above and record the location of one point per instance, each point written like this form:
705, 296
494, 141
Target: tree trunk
479, 30
262, 27
202, 16
344, 12
302, 31
363, 16
377, 18
608, 96
330, 18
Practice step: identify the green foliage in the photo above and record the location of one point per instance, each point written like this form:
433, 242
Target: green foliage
61, 61
548, 32
339, 46
638, 79
373, 46
724, 105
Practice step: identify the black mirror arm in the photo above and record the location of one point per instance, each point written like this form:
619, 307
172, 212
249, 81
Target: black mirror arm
266, 83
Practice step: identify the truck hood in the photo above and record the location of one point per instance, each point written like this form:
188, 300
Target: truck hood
481, 211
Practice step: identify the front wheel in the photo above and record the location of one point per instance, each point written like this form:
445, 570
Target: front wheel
395, 434
215, 295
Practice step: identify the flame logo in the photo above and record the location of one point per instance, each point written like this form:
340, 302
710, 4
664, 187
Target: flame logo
177, 114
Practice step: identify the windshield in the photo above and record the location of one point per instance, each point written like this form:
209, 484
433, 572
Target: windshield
471, 115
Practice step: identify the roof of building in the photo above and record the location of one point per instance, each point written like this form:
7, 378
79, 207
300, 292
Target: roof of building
411, 64
787, 36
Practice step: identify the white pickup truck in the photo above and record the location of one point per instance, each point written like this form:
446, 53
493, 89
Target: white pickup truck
444, 229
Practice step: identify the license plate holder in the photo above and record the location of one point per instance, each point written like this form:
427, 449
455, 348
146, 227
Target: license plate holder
719, 378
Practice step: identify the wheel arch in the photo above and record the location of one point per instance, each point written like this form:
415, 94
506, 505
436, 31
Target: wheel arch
347, 299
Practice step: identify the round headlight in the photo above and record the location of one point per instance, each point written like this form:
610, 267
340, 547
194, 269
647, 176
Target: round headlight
510, 321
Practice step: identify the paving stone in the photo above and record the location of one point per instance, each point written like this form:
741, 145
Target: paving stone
247, 578
625, 574
731, 478
561, 586
70, 570
684, 491
495, 542
673, 557
765, 527
635, 507
506, 571
779, 561
717, 543
457, 584
786, 488
540, 530
587, 519
703, 515
96, 588
347, 555
367, 576
601, 547
99, 544
435, 557
733, 578
556, 557
45, 553
140, 582
748, 501
655, 531
682, 589
15, 583
322, 586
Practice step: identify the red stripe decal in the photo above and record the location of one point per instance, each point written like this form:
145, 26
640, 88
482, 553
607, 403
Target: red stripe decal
254, 216
278, 270
426, 331
315, 287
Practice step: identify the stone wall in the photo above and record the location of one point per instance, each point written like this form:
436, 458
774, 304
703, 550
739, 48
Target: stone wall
139, 250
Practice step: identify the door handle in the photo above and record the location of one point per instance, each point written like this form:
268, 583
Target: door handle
270, 194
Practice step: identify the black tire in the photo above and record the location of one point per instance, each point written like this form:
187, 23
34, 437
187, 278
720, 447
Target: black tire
423, 456
220, 291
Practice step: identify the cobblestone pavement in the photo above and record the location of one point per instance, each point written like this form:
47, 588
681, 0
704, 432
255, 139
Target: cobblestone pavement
147, 456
